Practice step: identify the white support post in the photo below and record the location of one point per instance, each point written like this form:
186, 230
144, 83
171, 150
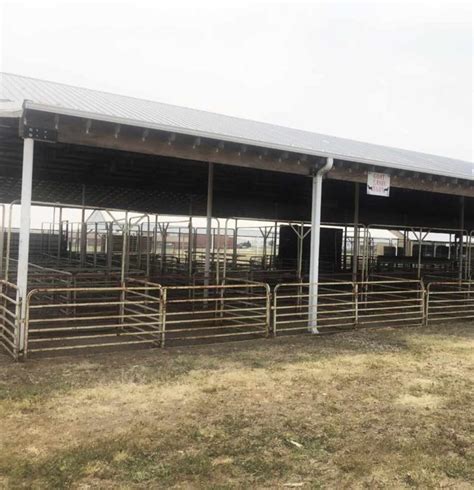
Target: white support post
24, 245
315, 239
210, 189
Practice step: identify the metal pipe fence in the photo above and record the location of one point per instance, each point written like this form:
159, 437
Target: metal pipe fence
342, 305
336, 308
64, 319
390, 303
138, 312
449, 301
226, 312
9, 318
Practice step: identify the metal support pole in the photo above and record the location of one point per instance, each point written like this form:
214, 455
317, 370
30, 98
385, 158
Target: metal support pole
300, 235
138, 245
190, 248
224, 262
125, 250
264, 232
2, 236
213, 248
50, 233
344, 250
110, 246
218, 250
148, 247
155, 238
66, 238
207, 260
60, 235
469, 257
366, 254
54, 226
124, 266
24, 245
275, 245
300, 238
95, 243
83, 242
461, 236
314, 252
234, 246
421, 239
164, 237
355, 245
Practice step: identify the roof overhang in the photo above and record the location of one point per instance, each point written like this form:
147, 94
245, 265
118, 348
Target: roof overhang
83, 128
465, 171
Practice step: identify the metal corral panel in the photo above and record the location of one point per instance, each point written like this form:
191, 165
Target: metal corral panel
76, 101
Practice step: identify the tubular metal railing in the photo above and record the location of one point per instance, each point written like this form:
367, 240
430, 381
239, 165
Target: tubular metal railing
337, 306
93, 315
343, 305
78, 318
229, 311
390, 303
9, 318
449, 300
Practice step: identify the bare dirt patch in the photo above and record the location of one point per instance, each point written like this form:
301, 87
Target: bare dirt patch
373, 408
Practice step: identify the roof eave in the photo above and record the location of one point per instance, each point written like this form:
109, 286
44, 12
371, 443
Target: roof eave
29, 105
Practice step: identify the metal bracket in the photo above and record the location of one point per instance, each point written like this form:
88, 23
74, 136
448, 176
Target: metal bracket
40, 134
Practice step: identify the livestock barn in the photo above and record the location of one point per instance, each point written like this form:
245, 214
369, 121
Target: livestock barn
197, 227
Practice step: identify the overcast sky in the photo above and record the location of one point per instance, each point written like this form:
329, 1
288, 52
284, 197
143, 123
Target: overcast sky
391, 72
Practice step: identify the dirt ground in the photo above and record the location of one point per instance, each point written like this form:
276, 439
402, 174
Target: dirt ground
386, 408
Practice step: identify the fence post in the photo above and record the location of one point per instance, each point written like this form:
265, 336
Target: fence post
356, 303
27, 324
18, 328
427, 304
275, 309
163, 298
221, 301
423, 303
268, 308
123, 296
3, 304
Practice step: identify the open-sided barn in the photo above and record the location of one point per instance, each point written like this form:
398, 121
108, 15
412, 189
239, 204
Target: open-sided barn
307, 261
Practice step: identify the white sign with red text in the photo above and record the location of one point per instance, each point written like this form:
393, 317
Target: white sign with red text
378, 184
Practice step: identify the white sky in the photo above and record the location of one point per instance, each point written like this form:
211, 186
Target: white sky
396, 72
391, 72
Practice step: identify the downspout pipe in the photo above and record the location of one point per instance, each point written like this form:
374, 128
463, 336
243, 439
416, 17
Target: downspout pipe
315, 242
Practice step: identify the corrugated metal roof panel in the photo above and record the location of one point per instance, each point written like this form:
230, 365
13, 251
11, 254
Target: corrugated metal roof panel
67, 99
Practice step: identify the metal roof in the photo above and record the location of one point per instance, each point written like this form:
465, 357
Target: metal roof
76, 101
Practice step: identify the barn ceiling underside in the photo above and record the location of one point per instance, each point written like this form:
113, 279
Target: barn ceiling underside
123, 180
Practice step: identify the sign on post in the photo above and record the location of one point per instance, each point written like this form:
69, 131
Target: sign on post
378, 184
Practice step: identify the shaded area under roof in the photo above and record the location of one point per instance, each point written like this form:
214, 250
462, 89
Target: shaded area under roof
65, 99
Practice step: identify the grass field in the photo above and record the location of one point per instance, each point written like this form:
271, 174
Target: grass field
374, 408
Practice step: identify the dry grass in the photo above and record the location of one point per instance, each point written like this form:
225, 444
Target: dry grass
378, 408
